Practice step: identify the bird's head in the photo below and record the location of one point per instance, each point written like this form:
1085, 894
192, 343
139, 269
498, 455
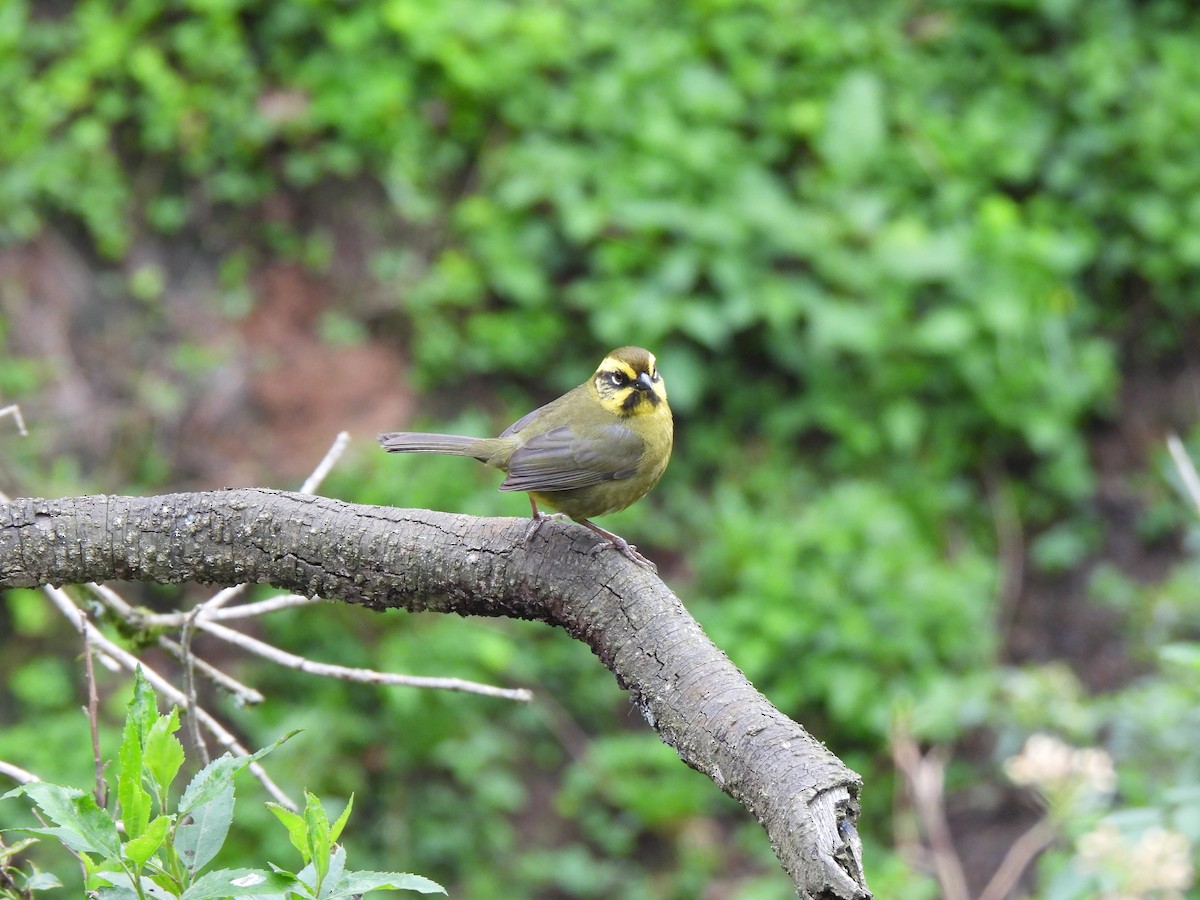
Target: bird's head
628, 382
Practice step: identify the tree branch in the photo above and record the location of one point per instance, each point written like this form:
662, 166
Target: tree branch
381, 558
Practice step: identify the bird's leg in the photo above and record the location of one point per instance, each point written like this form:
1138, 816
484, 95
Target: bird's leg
538, 518
619, 543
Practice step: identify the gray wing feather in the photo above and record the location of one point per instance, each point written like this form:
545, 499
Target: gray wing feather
560, 459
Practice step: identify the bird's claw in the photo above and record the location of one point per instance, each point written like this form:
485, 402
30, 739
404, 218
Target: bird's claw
615, 541
535, 524
626, 549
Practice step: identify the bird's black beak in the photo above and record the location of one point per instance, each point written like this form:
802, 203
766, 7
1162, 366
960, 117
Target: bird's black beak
644, 383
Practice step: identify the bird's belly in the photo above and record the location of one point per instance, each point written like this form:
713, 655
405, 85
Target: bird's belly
593, 501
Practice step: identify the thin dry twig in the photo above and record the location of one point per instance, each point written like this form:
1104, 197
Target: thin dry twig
189, 688
325, 466
925, 777
347, 673
14, 412
1020, 856
242, 693
93, 716
220, 598
241, 611
16, 773
208, 622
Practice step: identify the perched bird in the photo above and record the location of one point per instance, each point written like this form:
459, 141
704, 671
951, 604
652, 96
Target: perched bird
593, 451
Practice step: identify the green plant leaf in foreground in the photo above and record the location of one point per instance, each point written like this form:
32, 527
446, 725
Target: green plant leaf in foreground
40, 881
237, 883
324, 874
198, 841
140, 716
120, 888
163, 753
361, 882
316, 832
335, 830
294, 823
82, 825
141, 848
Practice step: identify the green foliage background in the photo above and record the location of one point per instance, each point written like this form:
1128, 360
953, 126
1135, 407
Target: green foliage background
894, 260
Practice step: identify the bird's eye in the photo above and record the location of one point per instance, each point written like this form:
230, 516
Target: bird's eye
617, 378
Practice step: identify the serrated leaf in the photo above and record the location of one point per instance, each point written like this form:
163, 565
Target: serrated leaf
82, 825
335, 830
133, 799
163, 753
236, 883
210, 780
143, 708
316, 833
199, 841
294, 823
140, 716
363, 881
141, 848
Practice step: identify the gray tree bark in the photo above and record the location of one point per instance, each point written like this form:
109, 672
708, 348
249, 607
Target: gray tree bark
382, 557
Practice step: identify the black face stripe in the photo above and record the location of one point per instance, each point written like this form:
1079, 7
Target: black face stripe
637, 398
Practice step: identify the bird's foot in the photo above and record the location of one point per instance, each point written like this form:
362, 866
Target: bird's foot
622, 546
535, 524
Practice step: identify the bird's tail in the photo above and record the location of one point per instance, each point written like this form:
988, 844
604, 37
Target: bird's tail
449, 444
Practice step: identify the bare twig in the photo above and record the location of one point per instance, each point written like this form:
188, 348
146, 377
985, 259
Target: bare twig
93, 715
325, 466
242, 693
1019, 857
1186, 468
220, 598
201, 616
15, 412
16, 773
262, 607
364, 676
241, 611
189, 686
925, 777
